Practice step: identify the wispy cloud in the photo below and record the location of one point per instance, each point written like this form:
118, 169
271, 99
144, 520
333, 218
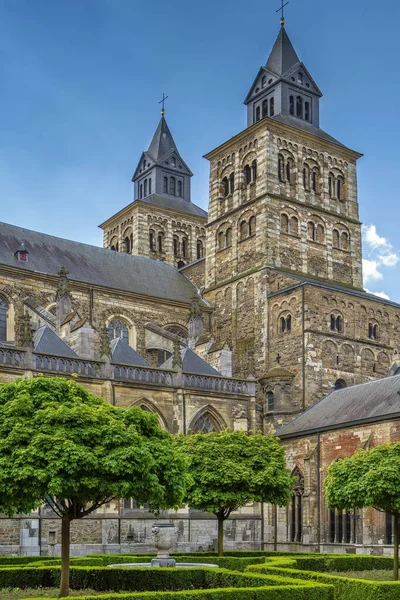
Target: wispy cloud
380, 294
380, 254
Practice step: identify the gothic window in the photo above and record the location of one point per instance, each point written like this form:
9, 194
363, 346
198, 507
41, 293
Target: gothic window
247, 174
149, 185
176, 245
281, 164
344, 240
204, 424
231, 183
272, 107
294, 226
335, 239
180, 189
265, 108
162, 356
284, 223
252, 226
225, 184
388, 529
172, 186
320, 233
184, 247
307, 111
341, 527
127, 245
258, 113
311, 231
306, 177
296, 507
228, 237
254, 170
291, 105
339, 188
337, 323
314, 181
145, 188
160, 242
178, 330
270, 401
118, 329
140, 191
299, 106
243, 230
200, 249
286, 324
165, 185
3, 319
372, 331
152, 242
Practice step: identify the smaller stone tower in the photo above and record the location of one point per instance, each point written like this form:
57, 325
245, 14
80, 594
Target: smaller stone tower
161, 222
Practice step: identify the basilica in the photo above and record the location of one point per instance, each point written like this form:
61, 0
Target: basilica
251, 317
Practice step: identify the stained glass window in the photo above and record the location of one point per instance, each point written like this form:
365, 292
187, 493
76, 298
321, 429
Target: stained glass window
205, 424
118, 329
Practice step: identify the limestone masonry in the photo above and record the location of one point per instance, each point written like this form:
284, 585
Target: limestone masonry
242, 318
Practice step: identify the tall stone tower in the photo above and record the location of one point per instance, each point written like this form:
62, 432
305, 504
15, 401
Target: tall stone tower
284, 263
162, 222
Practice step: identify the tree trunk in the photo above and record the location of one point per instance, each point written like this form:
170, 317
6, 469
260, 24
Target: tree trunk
220, 535
396, 547
65, 535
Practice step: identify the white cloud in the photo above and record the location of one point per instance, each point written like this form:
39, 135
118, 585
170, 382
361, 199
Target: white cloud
374, 240
380, 294
389, 260
371, 271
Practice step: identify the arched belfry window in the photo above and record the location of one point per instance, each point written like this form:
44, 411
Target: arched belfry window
258, 113
265, 108
3, 319
291, 105
118, 329
299, 106
172, 186
296, 507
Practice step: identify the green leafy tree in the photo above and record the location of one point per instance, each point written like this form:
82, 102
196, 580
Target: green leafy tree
61, 445
229, 469
368, 479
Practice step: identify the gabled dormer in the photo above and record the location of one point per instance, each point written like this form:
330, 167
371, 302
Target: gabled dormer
284, 87
161, 169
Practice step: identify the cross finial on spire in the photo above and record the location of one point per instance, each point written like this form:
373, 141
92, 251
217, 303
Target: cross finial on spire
281, 9
164, 98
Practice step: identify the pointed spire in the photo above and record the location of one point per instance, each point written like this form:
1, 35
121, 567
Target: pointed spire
162, 141
283, 56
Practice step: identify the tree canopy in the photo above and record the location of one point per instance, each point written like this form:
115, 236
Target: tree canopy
230, 469
63, 446
368, 479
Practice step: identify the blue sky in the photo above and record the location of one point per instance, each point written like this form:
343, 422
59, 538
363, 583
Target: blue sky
80, 82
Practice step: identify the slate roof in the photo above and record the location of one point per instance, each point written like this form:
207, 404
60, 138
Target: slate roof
283, 56
367, 402
47, 341
121, 352
192, 363
94, 265
306, 127
162, 141
176, 204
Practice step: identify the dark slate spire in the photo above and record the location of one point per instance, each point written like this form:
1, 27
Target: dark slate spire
162, 141
283, 56
284, 89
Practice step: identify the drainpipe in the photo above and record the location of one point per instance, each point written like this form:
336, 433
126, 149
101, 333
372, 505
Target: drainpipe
319, 493
304, 353
275, 527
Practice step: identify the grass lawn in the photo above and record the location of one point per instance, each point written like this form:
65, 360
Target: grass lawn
17, 593
372, 575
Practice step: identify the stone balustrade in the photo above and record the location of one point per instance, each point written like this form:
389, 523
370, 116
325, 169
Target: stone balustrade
24, 358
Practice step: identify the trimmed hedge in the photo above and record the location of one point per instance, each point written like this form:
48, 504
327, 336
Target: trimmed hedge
346, 588
277, 593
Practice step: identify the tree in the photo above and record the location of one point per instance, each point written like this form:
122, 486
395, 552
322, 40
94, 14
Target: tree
62, 446
229, 469
368, 479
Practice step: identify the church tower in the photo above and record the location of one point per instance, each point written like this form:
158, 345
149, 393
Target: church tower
162, 222
284, 260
